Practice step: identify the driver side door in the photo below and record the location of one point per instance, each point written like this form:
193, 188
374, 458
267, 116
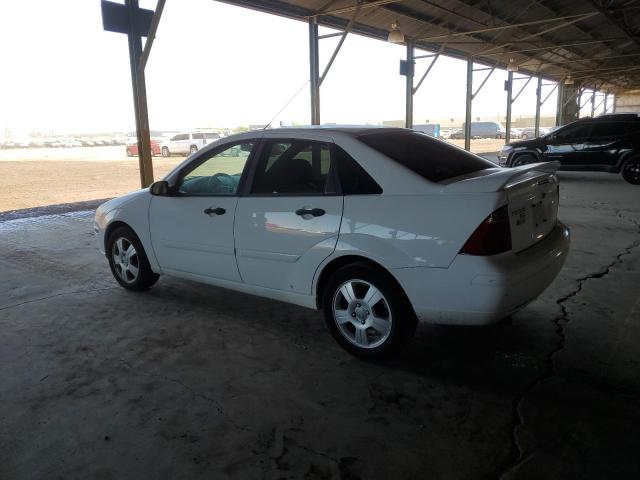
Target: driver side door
192, 228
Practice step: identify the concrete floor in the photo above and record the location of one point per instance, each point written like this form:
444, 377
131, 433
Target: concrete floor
189, 381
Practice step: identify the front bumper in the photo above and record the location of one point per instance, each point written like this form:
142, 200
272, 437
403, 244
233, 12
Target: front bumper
478, 290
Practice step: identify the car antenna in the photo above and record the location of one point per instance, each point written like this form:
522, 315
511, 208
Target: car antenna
286, 105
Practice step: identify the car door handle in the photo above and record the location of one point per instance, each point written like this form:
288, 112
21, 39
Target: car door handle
315, 212
215, 211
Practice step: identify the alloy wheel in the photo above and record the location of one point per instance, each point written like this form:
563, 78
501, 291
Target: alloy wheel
362, 313
632, 171
125, 260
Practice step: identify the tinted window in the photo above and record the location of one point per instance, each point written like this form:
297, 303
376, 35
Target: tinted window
182, 136
353, 178
293, 167
432, 159
218, 174
198, 136
607, 129
211, 136
573, 132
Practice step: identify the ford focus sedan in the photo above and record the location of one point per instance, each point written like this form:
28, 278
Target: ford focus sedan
379, 228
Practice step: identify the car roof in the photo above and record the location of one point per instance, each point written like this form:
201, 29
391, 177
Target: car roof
351, 130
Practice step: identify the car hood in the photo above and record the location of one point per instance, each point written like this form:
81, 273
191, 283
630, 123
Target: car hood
534, 142
118, 202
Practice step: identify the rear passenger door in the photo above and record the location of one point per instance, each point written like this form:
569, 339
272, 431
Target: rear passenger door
567, 145
288, 221
604, 142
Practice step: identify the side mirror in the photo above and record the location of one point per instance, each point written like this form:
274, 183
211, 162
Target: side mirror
160, 187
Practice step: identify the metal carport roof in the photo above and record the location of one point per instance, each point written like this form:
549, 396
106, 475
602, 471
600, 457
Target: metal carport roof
595, 42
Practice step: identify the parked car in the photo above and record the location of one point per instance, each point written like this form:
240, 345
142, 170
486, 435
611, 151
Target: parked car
515, 132
609, 143
483, 130
530, 132
184, 143
132, 149
372, 225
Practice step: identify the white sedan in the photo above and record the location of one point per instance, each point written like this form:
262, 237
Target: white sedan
377, 227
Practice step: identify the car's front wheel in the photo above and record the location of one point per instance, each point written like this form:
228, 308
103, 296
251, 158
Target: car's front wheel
525, 136
366, 311
165, 152
193, 149
524, 159
631, 170
128, 260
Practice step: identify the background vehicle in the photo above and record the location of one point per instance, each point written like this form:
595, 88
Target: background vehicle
184, 143
530, 132
482, 130
609, 143
132, 149
371, 225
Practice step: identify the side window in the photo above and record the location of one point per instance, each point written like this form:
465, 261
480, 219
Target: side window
293, 167
218, 174
354, 180
574, 132
198, 136
181, 136
607, 130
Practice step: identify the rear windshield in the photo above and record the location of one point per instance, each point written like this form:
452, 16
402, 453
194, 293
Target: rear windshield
433, 159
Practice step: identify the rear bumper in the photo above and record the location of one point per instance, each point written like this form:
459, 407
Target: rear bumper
481, 290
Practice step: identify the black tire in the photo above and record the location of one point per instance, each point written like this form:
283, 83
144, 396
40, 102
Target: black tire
129, 154
165, 152
193, 149
631, 170
145, 277
393, 307
499, 136
525, 136
524, 159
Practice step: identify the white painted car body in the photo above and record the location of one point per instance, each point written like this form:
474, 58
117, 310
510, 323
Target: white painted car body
182, 143
415, 230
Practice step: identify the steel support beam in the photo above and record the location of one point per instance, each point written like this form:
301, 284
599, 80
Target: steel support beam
408, 121
139, 98
468, 104
593, 103
606, 100
314, 71
157, 15
507, 136
538, 105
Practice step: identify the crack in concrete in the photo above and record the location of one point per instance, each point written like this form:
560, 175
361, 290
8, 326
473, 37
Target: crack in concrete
560, 322
61, 294
216, 404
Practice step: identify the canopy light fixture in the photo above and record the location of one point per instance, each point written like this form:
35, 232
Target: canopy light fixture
512, 66
568, 80
395, 35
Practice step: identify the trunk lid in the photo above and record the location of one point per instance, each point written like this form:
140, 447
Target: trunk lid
532, 194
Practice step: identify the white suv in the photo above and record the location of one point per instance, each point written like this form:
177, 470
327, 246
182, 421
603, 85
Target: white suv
377, 227
184, 143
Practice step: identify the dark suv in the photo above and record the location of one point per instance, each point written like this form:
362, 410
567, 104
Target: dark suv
609, 143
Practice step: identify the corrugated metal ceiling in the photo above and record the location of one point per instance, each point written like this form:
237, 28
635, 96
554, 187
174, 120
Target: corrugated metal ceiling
595, 42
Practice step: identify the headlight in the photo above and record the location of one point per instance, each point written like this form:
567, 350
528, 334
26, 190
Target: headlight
506, 148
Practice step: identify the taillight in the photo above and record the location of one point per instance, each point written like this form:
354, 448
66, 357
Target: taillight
492, 236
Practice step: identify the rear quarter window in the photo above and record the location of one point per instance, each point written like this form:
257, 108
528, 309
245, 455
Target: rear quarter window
432, 159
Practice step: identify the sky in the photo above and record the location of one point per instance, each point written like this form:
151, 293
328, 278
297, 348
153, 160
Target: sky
213, 65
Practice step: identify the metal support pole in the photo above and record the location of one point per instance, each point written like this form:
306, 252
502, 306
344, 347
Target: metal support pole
606, 99
507, 136
314, 70
593, 103
469, 101
538, 105
139, 98
408, 121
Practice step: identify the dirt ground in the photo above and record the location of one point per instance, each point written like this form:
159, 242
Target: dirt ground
51, 176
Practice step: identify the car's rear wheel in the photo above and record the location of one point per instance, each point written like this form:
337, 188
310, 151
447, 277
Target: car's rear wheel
631, 170
193, 149
129, 153
499, 136
524, 159
128, 260
525, 136
165, 152
366, 311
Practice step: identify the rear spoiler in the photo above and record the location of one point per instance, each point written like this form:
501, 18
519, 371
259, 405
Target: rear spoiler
497, 179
